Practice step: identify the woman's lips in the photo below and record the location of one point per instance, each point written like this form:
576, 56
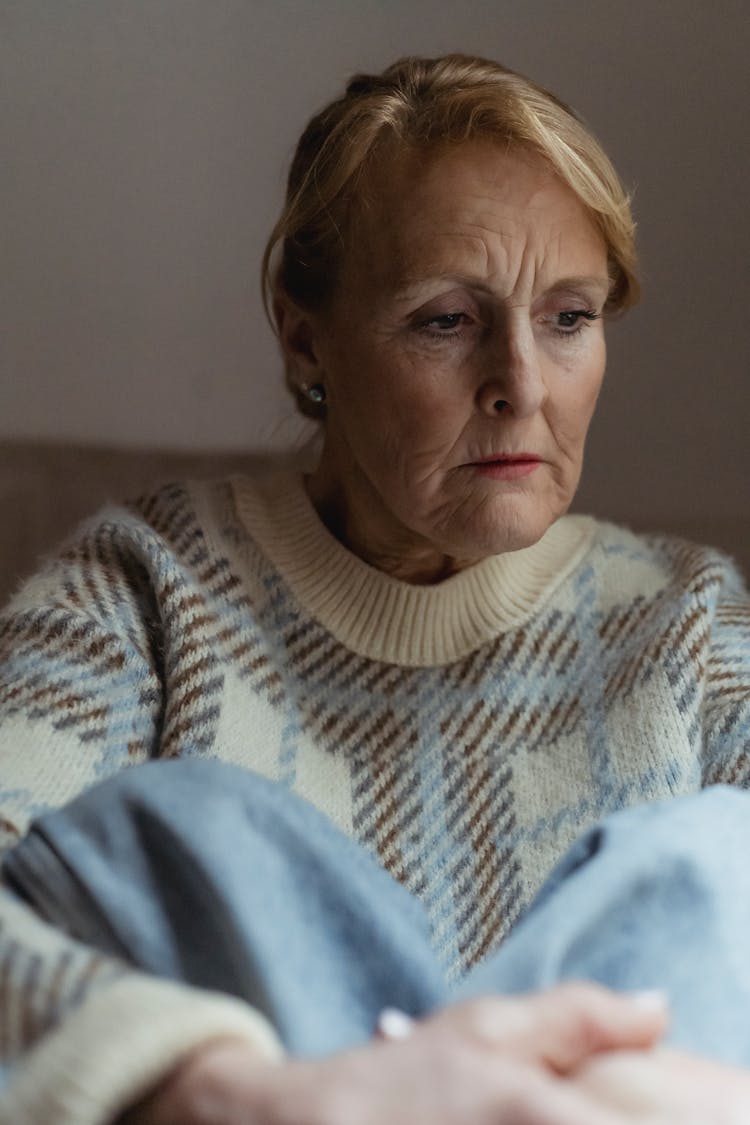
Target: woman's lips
507, 468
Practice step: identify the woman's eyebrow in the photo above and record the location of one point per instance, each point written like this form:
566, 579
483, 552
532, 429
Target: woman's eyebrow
416, 287
601, 283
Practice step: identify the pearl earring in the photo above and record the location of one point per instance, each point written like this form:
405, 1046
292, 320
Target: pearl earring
316, 393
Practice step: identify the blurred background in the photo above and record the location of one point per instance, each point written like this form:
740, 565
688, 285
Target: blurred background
144, 149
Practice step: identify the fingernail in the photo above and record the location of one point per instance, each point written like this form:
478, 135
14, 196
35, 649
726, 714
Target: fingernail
650, 999
394, 1024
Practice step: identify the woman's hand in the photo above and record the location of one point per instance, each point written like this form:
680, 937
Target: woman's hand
668, 1087
494, 1061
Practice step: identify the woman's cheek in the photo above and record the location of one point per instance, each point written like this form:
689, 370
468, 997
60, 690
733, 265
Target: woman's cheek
575, 381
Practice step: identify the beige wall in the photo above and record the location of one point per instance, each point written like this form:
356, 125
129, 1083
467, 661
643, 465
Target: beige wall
143, 148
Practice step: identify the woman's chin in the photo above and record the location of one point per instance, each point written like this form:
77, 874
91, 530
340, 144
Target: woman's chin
509, 526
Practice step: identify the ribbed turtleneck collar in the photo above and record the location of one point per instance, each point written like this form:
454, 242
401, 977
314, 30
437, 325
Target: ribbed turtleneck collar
386, 619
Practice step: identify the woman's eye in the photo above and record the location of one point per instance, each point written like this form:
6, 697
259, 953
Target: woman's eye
446, 322
444, 326
572, 321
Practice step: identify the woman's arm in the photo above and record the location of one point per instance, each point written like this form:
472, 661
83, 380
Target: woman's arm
726, 700
82, 695
86, 1035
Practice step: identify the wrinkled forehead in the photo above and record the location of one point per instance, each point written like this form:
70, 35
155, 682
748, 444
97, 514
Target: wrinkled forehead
473, 208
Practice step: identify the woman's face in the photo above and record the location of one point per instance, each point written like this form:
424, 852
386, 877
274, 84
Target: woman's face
462, 358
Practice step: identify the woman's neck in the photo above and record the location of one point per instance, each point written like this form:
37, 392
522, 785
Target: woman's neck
375, 536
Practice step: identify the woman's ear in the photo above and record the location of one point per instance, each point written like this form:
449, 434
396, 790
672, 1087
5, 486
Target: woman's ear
298, 336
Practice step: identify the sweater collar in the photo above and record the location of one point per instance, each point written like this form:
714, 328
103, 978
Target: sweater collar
384, 618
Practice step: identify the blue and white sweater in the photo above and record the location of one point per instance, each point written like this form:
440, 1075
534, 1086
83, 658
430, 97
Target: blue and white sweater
464, 733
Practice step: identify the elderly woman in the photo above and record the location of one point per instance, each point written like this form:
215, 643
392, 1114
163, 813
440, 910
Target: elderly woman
389, 695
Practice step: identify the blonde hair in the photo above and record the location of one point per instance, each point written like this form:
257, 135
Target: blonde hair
420, 103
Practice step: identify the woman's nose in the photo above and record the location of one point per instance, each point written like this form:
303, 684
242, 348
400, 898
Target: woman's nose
512, 379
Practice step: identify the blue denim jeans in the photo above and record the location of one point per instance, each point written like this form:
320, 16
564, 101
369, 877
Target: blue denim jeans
206, 873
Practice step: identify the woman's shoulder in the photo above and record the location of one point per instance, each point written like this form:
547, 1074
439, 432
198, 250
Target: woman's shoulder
176, 535
644, 563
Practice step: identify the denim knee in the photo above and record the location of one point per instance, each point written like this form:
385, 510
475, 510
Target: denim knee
705, 832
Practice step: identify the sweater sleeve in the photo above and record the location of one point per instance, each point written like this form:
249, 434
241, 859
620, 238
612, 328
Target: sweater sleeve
83, 1035
726, 700
90, 1034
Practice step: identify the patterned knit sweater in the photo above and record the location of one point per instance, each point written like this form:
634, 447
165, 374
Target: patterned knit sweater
464, 733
